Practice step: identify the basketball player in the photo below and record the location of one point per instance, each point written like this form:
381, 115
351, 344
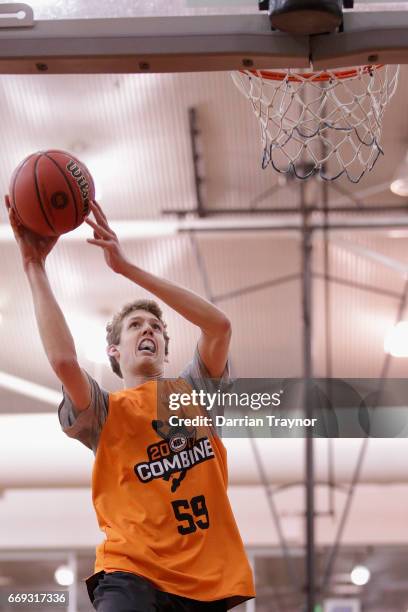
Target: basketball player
159, 493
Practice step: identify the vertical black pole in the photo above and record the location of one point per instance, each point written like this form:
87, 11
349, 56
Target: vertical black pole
308, 406
328, 334
198, 181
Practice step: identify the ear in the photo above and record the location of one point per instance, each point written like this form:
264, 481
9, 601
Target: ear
112, 351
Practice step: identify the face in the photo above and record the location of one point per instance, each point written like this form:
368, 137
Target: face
141, 347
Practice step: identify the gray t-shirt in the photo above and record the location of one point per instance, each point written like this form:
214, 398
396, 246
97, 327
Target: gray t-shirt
86, 425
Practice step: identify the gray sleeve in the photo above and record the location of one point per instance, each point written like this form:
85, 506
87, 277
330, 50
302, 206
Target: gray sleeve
85, 425
197, 375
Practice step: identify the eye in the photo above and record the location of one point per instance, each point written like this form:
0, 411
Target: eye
157, 326
135, 324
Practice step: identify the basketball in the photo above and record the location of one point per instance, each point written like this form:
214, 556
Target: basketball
50, 192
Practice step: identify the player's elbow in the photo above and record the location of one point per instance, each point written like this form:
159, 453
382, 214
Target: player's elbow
64, 365
223, 328
218, 327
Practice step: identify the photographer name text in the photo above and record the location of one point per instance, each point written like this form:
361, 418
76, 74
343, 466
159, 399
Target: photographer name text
269, 420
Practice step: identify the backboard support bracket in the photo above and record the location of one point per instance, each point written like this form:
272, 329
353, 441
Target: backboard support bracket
16, 15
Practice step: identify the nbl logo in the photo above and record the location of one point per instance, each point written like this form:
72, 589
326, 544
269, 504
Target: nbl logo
178, 443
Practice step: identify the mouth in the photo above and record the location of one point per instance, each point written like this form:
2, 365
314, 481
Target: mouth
147, 347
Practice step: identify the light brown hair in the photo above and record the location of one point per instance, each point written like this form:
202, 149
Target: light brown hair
114, 327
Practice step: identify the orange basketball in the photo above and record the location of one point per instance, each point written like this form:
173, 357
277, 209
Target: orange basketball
50, 192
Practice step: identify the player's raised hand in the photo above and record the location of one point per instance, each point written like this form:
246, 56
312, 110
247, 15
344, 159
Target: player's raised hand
105, 237
33, 248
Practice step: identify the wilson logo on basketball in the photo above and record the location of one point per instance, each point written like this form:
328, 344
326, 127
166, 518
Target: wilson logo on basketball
80, 178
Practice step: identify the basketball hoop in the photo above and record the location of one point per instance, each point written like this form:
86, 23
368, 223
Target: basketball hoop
326, 121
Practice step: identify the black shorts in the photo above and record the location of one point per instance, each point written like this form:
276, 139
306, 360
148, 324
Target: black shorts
126, 592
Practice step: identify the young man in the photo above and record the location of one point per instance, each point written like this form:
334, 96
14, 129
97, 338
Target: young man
159, 492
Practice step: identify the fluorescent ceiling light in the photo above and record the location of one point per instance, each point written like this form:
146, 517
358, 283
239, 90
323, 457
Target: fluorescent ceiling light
360, 575
29, 389
399, 186
126, 230
396, 340
134, 229
399, 183
64, 575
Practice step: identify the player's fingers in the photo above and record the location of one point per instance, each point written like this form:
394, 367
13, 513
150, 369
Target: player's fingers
101, 243
15, 226
102, 231
99, 208
96, 213
12, 218
100, 220
99, 214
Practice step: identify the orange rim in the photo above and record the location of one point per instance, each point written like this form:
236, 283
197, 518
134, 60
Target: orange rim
341, 75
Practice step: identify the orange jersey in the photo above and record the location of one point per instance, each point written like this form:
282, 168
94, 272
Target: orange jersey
161, 500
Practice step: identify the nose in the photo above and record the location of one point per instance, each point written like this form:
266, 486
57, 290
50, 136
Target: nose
147, 330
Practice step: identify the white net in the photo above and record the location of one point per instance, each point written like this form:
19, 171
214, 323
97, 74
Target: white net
326, 122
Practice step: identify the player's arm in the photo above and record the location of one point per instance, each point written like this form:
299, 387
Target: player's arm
215, 327
54, 332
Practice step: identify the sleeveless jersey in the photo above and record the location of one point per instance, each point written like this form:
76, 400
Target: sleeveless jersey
160, 495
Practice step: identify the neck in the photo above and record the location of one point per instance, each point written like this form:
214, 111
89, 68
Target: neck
131, 380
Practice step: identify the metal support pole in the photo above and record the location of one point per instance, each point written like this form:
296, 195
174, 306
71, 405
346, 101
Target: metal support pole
73, 588
250, 605
308, 407
328, 338
198, 181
